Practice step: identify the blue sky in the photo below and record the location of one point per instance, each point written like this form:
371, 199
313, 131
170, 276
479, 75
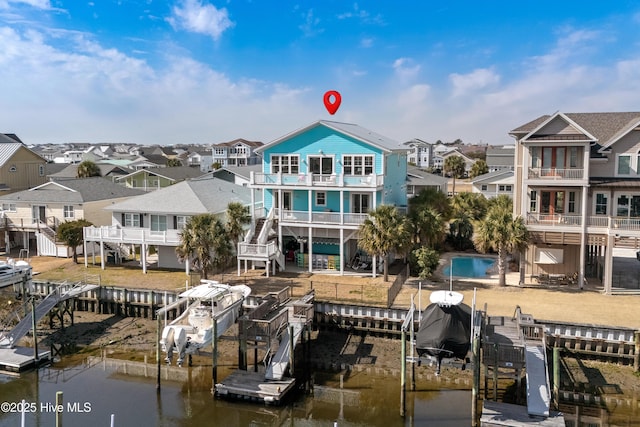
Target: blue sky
200, 71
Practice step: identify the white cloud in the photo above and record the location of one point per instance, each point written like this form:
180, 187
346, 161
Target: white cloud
406, 69
477, 79
366, 42
39, 4
196, 17
362, 15
310, 27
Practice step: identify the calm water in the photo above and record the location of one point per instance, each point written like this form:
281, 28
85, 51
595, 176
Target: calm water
469, 266
367, 401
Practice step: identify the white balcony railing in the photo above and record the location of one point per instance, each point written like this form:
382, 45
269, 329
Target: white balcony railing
555, 174
561, 220
254, 250
317, 180
323, 217
131, 235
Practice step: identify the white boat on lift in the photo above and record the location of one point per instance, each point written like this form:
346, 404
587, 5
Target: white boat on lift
193, 330
12, 272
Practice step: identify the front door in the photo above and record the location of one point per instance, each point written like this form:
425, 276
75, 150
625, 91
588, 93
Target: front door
286, 200
360, 203
38, 214
551, 202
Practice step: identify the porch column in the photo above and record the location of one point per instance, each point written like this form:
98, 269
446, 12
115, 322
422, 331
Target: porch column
143, 257
341, 206
187, 266
342, 251
101, 254
268, 266
253, 201
86, 254
607, 277
583, 239
310, 207
238, 266
374, 265
310, 240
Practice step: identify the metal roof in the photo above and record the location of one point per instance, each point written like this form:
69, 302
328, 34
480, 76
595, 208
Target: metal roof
74, 191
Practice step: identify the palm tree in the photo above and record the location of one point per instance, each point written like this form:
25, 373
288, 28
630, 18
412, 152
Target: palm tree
455, 166
480, 167
197, 242
429, 227
173, 162
87, 169
501, 232
430, 198
221, 245
237, 217
383, 232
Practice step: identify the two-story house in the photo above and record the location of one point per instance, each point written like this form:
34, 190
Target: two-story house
318, 184
157, 218
20, 168
238, 152
420, 153
30, 217
577, 186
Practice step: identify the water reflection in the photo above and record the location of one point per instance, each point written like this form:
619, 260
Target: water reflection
93, 392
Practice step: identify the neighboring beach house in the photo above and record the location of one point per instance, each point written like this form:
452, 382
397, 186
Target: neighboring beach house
500, 158
418, 180
157, 178
318, 184
578, 188
20, 168
420, 154
30, 218
238, 152
157, 218
493, 184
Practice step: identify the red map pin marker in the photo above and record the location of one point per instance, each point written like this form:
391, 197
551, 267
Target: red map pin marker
332, 106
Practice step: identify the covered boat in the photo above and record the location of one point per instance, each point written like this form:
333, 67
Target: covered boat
445, 328
207, 303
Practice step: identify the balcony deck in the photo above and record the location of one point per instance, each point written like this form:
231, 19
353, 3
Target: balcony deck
555, 174
324, 218
316, 180
131, 235
573, 222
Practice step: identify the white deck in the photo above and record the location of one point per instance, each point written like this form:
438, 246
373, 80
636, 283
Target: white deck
538, 398
17, 359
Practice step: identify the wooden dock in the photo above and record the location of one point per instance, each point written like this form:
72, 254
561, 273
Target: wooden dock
20, 359
252, 386
497, 414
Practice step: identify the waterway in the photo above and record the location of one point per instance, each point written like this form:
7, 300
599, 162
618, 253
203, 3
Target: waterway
92, 393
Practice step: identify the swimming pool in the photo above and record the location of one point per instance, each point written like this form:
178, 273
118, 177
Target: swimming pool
469, 266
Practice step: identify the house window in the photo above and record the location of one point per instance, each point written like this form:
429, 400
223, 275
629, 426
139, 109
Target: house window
573, 157
131, 220
285, 164
158, 222
628, 206
41, 170
601, 204
502, 188
9, 207
321, 198
624, 165
181, 221
484, 187
571, 208
357, 165
68, 212
219, 151
533, 203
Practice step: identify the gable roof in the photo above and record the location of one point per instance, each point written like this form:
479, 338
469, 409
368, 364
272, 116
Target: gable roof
196, 196
242, 171
605, 128
71, 170
418, 177
239, 140
9, 137
75, 191
357, 132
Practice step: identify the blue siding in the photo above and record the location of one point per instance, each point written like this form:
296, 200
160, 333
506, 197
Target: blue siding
330, 142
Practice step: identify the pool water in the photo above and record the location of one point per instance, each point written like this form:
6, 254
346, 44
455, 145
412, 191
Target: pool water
469, 266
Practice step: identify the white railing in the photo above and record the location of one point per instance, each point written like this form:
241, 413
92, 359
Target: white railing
316, 180
559, 220
323, 217
626, 223
256, 250
599, 221
555, 173
131, 235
